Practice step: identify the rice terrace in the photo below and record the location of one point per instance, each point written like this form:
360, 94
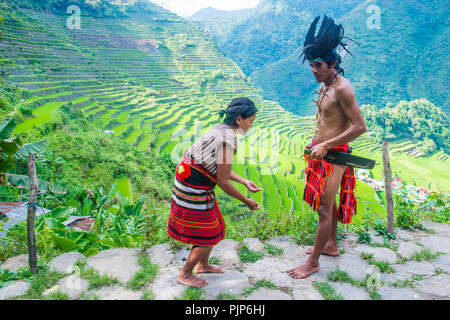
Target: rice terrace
119, 92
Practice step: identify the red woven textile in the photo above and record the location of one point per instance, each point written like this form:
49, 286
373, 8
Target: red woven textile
317, 173
195, 216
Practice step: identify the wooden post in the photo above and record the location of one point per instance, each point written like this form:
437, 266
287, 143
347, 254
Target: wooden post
32, 199
388, 187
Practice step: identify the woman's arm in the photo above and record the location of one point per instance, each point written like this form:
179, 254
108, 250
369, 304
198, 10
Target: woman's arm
224, 174
235, 177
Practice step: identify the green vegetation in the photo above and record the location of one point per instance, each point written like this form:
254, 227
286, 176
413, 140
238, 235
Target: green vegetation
40, 282
127, 105
327, 291
191, 293
417, 121
383, 266
262, 283
391, 64
247, 255
95, 279
273, 250
424, 254
214, 260
370, 283
147, 273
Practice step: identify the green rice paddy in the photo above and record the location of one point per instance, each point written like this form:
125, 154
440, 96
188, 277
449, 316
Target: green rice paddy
149, 97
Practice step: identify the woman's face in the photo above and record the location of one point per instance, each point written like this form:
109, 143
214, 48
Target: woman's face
245, 124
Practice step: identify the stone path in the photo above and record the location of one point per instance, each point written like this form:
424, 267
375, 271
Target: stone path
401, 269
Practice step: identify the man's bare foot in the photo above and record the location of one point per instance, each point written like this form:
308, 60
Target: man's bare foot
191, 281
208, 269
304, 270
329, 250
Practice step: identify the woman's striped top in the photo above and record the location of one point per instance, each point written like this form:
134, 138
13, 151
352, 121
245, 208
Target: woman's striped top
204, 151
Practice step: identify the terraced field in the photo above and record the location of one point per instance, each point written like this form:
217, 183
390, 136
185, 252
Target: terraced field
157, 81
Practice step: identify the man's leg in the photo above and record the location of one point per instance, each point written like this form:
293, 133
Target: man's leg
186, 277
331, 248
204, 267
323, 233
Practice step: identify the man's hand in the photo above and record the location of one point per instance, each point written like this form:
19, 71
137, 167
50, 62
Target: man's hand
251, 186
252, 204
319, 151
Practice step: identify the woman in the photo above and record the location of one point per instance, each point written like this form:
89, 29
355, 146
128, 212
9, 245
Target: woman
195, 217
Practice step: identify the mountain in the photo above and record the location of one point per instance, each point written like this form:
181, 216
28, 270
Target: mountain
212, 13
403, 60
120, 99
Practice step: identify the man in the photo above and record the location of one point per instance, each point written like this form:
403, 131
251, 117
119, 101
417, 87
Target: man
339, 121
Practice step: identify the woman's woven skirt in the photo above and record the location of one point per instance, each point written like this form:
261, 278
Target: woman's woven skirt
195, 216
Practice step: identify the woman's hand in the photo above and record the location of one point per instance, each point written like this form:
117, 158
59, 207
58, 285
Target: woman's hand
251, 186
252, 204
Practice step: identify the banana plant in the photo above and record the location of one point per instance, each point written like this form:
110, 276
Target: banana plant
11, 150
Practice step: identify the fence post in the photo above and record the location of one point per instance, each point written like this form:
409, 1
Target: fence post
388, 187
32, 199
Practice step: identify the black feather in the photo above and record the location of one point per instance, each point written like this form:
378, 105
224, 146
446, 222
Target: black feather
324, 44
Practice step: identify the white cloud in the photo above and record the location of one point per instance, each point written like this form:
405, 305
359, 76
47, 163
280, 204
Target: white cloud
186, 8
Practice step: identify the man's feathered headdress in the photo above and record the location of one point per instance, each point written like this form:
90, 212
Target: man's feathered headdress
323, 46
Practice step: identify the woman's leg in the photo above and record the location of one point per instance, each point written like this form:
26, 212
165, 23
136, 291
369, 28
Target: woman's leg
204, 267
186, 277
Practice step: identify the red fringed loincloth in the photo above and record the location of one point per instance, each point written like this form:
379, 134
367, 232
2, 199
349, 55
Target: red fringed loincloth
195, 216
317, 171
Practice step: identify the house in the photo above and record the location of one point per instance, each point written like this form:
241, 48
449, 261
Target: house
12, 213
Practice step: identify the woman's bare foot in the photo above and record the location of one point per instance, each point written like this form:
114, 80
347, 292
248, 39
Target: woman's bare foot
207, 269
191, 281
304, 270
329, 250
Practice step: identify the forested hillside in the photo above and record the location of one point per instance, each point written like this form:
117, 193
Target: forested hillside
118, 99
401, 59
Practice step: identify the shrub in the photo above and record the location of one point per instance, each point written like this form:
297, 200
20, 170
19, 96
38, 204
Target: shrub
26, 111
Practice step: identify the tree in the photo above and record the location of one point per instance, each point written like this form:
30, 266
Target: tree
11, 149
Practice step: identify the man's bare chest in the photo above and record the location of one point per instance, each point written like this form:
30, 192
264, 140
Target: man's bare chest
327, 104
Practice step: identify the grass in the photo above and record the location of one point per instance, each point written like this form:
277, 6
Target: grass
227, 296
273, 250
192, 294
370, 283
58, 295
41, 282
424, 254
148, 295
95, 279
145, 275
383, 266
247, 255
42, 114
214, 260
327, 291
262, 283
90, 296
407, 283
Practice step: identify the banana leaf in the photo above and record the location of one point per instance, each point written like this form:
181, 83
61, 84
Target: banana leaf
6, 128
64, 243
30, 148
22, 181
62, 213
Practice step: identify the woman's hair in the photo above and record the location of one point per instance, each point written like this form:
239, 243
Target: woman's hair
243, 107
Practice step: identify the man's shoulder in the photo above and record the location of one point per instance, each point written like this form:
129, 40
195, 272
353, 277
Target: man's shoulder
344, 88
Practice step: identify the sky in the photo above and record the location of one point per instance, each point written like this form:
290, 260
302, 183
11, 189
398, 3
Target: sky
187, 8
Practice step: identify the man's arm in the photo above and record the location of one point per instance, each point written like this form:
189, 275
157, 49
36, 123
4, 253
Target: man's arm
347, 101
